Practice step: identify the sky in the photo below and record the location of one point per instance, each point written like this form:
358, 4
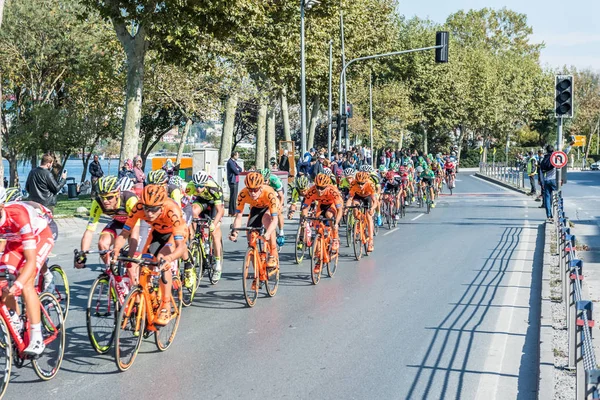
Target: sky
571, 30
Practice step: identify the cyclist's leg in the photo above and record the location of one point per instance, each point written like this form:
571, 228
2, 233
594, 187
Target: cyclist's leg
369, 214
267, 220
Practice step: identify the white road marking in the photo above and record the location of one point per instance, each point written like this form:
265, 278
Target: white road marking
393, 230
504, 351
417, 217
490, 183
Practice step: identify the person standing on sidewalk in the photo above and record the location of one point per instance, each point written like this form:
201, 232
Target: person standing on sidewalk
540, 178
233, 172
96, 173
532, 172
549, 172
41, 185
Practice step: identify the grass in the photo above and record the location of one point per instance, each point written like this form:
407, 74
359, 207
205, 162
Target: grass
66, 208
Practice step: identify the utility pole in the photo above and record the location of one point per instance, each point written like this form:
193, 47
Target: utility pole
329, 116
371, 114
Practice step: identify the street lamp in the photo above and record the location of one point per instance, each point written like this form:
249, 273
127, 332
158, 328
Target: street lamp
304, 5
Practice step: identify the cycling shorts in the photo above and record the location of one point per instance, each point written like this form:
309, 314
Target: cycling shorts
364, 201
256, 216
13, 258
113, 228
323, 208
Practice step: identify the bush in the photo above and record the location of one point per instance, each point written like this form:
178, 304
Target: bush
469, 158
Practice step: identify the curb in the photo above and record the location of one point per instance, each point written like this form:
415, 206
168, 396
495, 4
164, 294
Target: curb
500, 183
546, 371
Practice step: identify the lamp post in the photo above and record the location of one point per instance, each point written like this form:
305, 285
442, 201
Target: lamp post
304, 5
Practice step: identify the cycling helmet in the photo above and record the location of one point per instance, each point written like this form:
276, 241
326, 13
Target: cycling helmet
362, 177
13, 194
107, 184
393, 165
254, 180
419, 169
302, 182
367, 168
124, 184
322, 180
382, 168
349, 172
390, 175
154, 195
266, 173
453, 154
272, 161
2, 195
158, 177
327, 171
176, 181
200, 177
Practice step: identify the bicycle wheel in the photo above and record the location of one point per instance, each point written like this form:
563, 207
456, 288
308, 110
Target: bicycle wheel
5, 357
356, 241
46, 366
101, 314
366, 244
188, 291
350, 229
166, 334
316, 260
300, 246
272, 283
394, 212
428, 206
61, 288
450, 187
250, 278
332, 264
385, 210
197, 260
375, 226
211, 271
129, 329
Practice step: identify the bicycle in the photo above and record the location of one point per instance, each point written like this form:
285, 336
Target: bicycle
140, 310
304, 238
450, 182
255, 271
388, 209
360, 234
351, 221
59, 286
47, 364
105, 298
322, 254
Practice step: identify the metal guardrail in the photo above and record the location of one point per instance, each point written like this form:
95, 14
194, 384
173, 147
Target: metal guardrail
511, 173
582, 357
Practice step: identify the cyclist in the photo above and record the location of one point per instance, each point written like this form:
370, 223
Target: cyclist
208, 202
160, 177
427, 180
297, 193
450, 171
13, 194
277, 185
116, 200
345, 183
166, 240
329, 202
261, 198
377, 182
363, 192
391, 185
29, 240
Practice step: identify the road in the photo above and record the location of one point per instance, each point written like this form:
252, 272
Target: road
446, 307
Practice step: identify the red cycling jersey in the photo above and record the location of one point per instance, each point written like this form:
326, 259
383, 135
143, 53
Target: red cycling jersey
449, 165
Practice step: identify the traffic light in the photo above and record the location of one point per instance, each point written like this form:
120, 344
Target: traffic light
441, 54
564, 96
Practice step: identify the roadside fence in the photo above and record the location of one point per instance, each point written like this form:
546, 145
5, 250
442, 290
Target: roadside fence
511, 173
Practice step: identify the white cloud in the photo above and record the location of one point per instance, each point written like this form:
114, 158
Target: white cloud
565, 39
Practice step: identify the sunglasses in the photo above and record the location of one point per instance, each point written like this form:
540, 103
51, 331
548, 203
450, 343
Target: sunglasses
109, 197
361, 183
254, 190
152, 209
321, 188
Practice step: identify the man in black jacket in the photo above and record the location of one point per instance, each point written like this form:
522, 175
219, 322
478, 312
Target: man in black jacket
96, 173
41, 185
233, 172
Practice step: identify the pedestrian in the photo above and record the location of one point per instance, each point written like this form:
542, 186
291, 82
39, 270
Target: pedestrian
140, 176
96, 173
532, 172
127, 170
5, 182
284, 162
540, 178
41, 185
233, 178
273, 165
549, 172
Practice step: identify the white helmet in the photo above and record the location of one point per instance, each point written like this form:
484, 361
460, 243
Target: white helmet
124, 184
201, 177
176, 181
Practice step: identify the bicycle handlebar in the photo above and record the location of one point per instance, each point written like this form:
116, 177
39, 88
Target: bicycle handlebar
141, 261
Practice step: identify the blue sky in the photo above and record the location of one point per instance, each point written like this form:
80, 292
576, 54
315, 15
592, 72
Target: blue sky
573, 39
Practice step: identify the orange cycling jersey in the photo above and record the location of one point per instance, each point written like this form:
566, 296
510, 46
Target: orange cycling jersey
365, 190
331, 195
170, 220
266, 199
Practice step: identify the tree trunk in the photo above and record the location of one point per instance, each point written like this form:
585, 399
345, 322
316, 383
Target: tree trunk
1, 106
228, 127
12, 168
460, 143
1, 14
285, 116
184, 136
424, 140
314, 114
135, 49
271, 143
260, 135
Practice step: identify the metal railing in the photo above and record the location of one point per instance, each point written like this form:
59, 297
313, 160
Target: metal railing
512, 173
582, 357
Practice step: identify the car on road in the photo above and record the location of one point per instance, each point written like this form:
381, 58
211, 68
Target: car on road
595, 166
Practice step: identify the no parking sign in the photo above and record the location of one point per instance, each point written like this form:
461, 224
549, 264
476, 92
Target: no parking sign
559, 159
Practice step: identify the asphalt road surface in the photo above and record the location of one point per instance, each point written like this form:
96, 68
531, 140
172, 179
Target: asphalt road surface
446, 307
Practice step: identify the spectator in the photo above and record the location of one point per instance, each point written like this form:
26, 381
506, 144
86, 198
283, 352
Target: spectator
540, 178
233, 178
5, 182
319, 167
127, 170
549, 172
368, 156
42, 186
273, 166
284, 162
140, 176
85, 188
532, 172
96, 173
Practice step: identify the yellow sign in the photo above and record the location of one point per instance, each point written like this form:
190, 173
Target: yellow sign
579, 141
480, 150
495, 151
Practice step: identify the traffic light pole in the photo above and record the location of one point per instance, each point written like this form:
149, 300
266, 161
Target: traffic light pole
344, 104
559, 148
329, 116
